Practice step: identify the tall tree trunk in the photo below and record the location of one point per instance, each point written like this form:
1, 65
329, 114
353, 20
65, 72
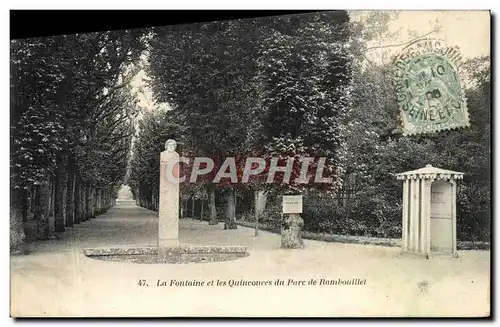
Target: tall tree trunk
31, 200
61, 184
93, 201
259, 207
42, 211
201, 210
19, 202
102, 197
96, 202
211, 204
85, 215
99, 201
51, 197
81, 211
18, 215
77, 203
52, 205
70, 198
102, 194
84, 202
105, 200
88, 201
230, 212
155, 200
192, 207
24, 199
235, 203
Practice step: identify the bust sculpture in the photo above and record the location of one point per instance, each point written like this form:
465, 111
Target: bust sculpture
170, 145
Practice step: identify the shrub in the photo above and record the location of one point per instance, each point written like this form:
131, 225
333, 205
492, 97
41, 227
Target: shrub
272, 217
371, 213
321, 214
473, 211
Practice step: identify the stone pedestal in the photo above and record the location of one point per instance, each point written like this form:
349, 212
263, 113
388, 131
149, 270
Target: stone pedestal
168, 224
429, 211
290, 231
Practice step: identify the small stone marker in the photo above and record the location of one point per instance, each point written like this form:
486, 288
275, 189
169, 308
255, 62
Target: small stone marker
292, 222
168, 225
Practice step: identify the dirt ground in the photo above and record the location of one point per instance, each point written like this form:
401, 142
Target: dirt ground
57, 279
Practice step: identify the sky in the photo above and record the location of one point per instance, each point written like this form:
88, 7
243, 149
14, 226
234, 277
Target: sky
469, 30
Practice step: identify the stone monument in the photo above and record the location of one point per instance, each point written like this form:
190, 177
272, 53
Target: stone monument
429, 211
168, 224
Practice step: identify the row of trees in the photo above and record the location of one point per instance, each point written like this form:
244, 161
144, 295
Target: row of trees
273, 86
71, 126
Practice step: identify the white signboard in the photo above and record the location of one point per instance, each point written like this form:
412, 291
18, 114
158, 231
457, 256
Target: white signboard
292, 203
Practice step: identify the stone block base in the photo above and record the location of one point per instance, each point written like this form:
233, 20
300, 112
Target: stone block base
168, 255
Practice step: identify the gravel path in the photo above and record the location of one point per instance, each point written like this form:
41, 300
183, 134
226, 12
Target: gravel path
57, 279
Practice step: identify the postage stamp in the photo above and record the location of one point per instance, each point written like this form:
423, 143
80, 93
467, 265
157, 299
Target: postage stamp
428, 88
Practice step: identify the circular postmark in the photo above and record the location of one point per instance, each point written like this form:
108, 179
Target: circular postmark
428, 87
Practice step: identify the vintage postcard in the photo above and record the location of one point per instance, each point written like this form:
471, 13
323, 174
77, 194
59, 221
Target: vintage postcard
319, 164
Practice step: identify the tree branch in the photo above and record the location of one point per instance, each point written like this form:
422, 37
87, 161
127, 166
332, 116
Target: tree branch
126, 81
435, 29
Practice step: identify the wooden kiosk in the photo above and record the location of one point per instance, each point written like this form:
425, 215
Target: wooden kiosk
429, 211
